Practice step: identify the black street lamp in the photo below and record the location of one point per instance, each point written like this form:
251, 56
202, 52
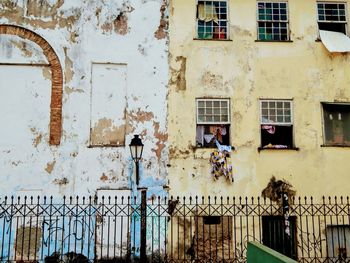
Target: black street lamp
136, 149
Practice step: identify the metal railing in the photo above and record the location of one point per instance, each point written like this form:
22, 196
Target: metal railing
195, 229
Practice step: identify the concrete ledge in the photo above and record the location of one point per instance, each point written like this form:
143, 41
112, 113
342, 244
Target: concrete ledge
258, 253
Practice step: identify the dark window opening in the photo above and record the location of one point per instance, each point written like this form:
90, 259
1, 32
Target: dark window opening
211, 220
336, 124
206, 135
276, 136
336, 27
275, 237
332, 17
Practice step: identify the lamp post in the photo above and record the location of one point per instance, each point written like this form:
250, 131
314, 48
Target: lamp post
136, 149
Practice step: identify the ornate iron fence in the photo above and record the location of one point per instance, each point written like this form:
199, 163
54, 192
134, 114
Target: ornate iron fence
171, 230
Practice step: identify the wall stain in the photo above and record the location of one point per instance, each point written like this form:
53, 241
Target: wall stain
62, 181
68, 90
175, 152
211, 80
38, 137
105, 133
34, 12
140, 116
28, 242
178, 77
21, 45
162, 30
104, 177
50, 166
68, 75
121, 24
47, 73
161, 139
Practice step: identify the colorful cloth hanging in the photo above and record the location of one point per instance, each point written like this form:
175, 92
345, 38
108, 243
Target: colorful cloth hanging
221, 162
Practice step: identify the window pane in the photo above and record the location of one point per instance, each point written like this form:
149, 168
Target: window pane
274, 112
212, 111
212, 19
287, 105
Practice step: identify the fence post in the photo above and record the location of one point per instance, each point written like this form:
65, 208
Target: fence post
143, 256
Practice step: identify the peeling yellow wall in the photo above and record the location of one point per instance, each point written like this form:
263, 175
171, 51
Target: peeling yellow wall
245, 71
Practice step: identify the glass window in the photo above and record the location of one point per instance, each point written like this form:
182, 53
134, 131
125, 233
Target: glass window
336, 124
213, 122
276, 124
212, 20
273, 21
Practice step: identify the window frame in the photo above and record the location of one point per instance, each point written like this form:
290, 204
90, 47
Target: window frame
227, 21
288, 124
272, 21
335, 22
325, 144
227, 123
291, 123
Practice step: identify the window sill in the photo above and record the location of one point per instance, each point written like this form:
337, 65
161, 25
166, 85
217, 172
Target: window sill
278, 149
105, 146
278, 41
212, 39
210, 148
335, 145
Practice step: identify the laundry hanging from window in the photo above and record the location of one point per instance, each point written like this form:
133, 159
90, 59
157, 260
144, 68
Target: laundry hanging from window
221, 162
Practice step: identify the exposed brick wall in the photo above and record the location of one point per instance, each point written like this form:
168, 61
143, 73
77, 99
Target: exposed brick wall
56, 77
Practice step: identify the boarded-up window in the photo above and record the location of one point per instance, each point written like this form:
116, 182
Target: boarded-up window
336, 124
108, 102
213, 238
275, 236
338, 242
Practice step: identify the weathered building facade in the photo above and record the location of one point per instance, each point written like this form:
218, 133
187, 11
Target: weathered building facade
265, 78
78, 79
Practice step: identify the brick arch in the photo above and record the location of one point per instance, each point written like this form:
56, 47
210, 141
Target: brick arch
56, 77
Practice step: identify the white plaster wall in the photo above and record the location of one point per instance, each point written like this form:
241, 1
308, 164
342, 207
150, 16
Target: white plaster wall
81, 33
